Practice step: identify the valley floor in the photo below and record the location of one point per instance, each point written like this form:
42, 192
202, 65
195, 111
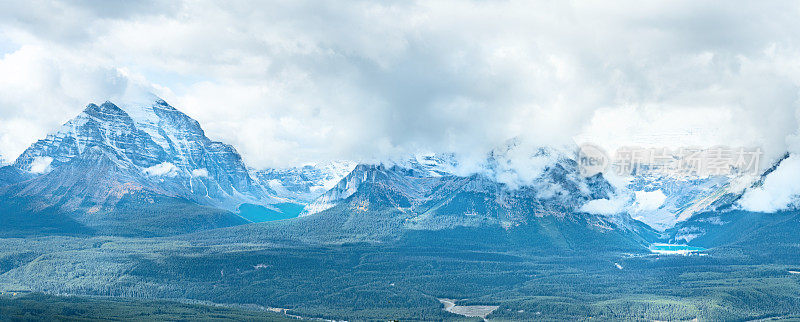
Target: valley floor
385, 281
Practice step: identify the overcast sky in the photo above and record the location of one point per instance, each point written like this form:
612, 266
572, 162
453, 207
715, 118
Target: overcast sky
289, 82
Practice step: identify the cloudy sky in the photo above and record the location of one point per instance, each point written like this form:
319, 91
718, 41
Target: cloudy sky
290, 82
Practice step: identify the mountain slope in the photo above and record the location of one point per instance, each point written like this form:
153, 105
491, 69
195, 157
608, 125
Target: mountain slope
719, 228
92, 194
11, 175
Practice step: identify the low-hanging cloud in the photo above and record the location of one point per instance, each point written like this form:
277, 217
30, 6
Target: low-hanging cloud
780, 190
289, 82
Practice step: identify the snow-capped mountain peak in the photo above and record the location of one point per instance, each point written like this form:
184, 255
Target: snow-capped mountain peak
168, 127
164, 146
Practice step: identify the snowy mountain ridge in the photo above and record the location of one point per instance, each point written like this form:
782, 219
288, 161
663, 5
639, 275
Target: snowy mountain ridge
303, 184
556, 182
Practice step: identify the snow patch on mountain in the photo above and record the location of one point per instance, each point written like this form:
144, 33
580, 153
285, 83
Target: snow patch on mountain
429, 164
200, 173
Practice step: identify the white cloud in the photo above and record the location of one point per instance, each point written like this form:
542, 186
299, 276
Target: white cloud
780, 190
198, 173
648, 200
165, 169
41, 89
41, 165
612, 206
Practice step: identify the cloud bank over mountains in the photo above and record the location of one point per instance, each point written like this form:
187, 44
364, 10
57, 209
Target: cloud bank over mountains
301, 81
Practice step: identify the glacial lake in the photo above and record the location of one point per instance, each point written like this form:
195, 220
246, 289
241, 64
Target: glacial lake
674, 249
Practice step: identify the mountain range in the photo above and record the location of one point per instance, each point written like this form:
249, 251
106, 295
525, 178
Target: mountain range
145, 169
